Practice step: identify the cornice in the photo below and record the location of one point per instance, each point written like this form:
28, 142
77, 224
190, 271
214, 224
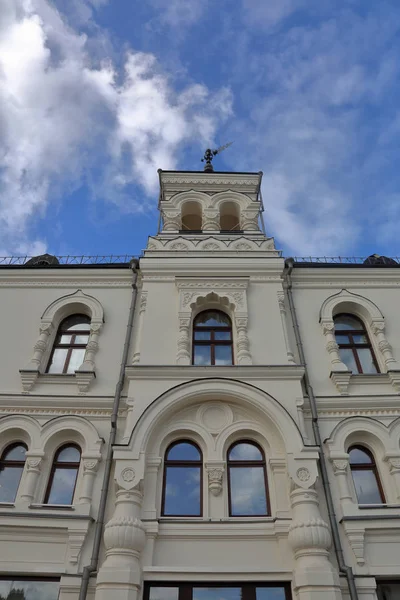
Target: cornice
386, 406
52, 406
190, 372
61, 279
355, 278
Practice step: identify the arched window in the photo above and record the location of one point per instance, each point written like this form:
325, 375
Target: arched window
70, 345
183, 475
64, 472
212, 339
192, 219
365, 476
247, 480
354, 346
229, 217
11, 466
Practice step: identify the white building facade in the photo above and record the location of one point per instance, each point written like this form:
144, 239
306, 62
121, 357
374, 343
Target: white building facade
207, 422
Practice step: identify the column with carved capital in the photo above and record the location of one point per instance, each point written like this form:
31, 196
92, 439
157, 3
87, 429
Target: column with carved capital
32, 472
92, 347
282, 309
378, 329
30, 372
90, 465
171, 220
243, 355
315, 578
211, 220
328, 327
394, 464
249, 220
340, 468
183, 352
120, 575
139, 327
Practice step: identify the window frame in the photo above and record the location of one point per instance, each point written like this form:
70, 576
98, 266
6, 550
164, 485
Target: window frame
13, 464
31, 578
366, 467
248, 588
247, 463
71, 345
355, 346
63, 465
182, 463
212, 342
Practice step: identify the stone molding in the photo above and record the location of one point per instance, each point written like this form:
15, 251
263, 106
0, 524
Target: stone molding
210, 244
50, 321
215, 472
228, 295
374, 322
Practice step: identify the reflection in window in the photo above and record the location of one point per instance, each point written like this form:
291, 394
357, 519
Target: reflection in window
247, 480
215, 591
182, 480
11, 466
70, 345
64, 472
388, 591
354, 346
365, 476
212, 339
25, 589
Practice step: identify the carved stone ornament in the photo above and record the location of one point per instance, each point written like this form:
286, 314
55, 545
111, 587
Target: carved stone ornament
394, 464
33, 464
303, 474
340, 465
215, 476
341, 379
128, 474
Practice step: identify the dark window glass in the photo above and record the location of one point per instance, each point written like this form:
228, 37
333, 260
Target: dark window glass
354, 346
215, 591
28, 589
365, 476
388, 590
70, 345
212, 339
182, 486
64, 472
247, 478
11, 467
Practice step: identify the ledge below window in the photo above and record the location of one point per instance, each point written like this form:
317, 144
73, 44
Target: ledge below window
82, 379
344, 379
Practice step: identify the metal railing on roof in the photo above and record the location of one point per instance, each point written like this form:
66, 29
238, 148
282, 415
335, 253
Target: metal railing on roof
357, 260
98, 259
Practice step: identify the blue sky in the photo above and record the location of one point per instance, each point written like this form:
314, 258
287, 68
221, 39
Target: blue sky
95, 95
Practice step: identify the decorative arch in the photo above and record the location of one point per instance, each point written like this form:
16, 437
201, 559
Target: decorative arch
360, 430
376, 438
180, 397
22, 428
230, 296
214, 413
345, 301
71, 428
76, 303
373, 319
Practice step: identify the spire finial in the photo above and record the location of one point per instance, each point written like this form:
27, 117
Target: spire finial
209, 155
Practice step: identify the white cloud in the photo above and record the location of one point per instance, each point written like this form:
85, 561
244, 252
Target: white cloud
179, 13
313, 92
269, 13
63, 117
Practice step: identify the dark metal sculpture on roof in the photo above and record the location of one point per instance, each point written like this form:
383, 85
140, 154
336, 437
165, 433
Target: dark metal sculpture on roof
209, 155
